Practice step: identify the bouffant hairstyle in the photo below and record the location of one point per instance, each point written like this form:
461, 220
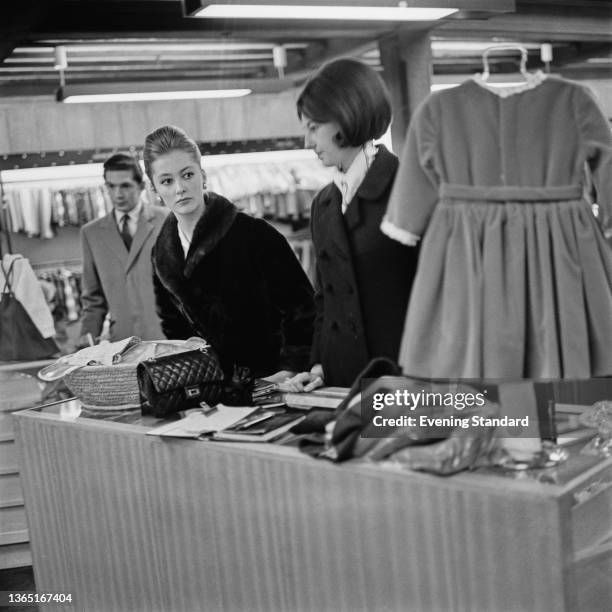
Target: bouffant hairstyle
350, 93
121, 161
162, 141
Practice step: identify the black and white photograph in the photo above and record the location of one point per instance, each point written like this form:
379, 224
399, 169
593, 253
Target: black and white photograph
306, 306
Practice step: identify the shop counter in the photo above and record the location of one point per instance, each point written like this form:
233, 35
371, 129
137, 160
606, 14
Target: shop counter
19, 389
127, 521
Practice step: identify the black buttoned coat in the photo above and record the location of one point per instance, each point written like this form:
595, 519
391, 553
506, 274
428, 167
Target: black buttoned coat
363, 277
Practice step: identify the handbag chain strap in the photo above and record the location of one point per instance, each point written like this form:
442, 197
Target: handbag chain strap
8, 289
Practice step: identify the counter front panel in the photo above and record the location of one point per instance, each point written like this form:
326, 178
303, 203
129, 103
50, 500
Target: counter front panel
127, 521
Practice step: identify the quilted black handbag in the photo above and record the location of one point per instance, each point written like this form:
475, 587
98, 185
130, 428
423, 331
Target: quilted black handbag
180, 381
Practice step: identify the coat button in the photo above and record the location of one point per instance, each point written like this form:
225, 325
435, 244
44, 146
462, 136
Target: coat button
352, 326
329, 288
334, 326
323, 254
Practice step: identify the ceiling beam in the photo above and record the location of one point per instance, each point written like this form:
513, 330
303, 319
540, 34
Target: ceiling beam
550, 26
18, 20
580, 52
599, 6
164, 18
597, 73
292, 33
332, 49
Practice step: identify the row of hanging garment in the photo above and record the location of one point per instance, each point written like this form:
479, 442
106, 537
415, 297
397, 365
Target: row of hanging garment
272, 190
236, 181
39, 211
62, 289
278, 206
301, 243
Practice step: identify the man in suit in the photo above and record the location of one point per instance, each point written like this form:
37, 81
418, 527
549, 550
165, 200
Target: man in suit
116, 249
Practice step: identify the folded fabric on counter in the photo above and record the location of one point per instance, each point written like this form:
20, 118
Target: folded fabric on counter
128, 350
105, 353
436, 443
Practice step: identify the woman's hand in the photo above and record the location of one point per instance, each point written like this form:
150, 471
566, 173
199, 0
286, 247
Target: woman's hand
279, 377
305, 381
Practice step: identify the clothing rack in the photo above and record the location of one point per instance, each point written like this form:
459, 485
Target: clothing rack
41, 159
73, 265
304, 250
278, 190
66, 293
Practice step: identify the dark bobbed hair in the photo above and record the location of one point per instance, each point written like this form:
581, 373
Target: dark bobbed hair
350, 93
162, 141
121, 161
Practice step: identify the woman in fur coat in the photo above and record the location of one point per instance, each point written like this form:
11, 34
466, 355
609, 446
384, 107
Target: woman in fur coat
221, 274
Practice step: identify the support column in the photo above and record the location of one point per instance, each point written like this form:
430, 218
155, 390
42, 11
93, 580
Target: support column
407, 67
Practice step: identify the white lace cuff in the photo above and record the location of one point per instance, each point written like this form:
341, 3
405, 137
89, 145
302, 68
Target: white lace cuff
399, 234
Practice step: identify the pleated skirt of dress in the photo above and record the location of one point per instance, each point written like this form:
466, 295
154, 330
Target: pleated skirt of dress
511, 290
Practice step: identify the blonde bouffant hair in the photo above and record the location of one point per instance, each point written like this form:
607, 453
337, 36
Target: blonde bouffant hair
165, 139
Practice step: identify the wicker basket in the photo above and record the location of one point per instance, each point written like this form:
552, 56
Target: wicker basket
114, 385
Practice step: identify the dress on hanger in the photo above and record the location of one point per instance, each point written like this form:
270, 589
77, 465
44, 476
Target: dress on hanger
515, 275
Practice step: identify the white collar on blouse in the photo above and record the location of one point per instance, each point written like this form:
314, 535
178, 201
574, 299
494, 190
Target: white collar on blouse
532, 80
185, 242
348, 182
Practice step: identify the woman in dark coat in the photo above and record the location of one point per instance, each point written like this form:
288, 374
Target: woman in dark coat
363, 277
220, 274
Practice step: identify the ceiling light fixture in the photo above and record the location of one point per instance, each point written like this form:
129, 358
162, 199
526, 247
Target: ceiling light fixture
137, 45
145, 96
391, 12
138, 91
110, 58
60, 59
279, 59
60, 63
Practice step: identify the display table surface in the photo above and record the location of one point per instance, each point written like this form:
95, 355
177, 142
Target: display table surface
127, 521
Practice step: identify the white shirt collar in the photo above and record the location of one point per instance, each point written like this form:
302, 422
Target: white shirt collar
133, 214
185, 242
348, 182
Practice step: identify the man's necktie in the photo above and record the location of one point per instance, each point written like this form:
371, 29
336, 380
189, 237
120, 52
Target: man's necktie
125, 231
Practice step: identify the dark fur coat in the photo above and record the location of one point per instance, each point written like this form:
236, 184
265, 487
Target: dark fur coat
241, 288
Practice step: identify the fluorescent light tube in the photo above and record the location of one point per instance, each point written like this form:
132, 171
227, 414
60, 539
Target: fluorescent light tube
474, 46
136, 46
349, 13
155, 95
